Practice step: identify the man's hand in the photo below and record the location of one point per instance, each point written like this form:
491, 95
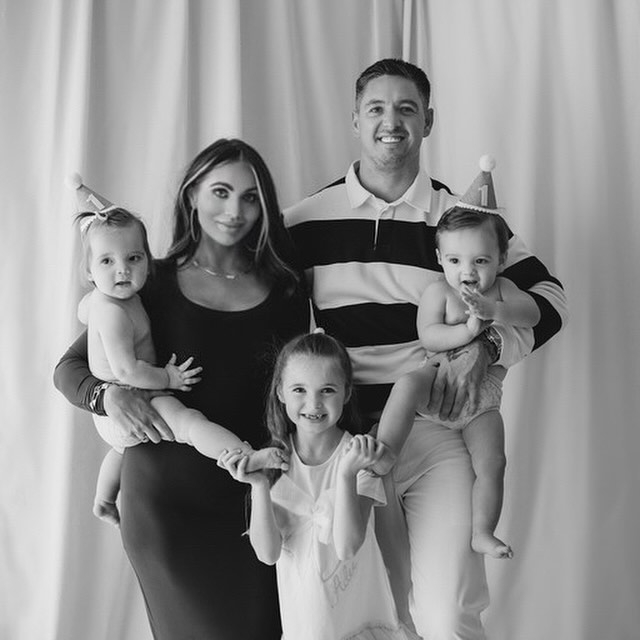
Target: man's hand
458, 377
132, 411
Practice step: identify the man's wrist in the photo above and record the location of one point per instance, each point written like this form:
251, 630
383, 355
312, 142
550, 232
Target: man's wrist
96, 403
492, 342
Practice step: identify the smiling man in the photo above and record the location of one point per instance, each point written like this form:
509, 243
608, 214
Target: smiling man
367, 243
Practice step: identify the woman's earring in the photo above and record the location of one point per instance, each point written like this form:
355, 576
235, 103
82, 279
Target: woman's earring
192, 228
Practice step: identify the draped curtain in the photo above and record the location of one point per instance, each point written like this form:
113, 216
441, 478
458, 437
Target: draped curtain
127, 91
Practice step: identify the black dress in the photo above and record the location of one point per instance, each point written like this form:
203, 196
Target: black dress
182, 517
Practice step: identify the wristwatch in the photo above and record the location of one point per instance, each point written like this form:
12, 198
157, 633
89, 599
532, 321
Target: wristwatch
493, 342
96, 403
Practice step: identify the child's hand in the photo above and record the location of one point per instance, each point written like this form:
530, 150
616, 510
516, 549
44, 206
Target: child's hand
479, 305
180, 376
363, 451
235, 462
385, 462
107, 511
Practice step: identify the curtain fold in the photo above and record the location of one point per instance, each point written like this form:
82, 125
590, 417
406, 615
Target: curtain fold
126, 92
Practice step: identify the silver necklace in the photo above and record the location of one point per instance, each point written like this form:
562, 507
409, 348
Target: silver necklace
219, 274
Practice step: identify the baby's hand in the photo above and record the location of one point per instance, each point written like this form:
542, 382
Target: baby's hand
235, 462
364, 451
475, 325
107, 511
180, 376
479, 305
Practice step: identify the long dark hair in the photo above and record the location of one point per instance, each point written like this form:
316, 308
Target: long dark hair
318, 345
268, 243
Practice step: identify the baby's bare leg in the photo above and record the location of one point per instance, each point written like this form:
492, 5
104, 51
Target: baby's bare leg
399, 414
192, 427
484, 437
107, 488
212, 439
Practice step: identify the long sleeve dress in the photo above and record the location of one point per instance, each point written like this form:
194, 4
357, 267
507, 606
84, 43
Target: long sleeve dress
182, 517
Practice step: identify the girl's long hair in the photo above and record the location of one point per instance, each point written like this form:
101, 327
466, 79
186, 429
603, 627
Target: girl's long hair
268, 244
318, 345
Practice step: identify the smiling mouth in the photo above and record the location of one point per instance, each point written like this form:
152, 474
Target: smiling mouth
313, 416
390, 139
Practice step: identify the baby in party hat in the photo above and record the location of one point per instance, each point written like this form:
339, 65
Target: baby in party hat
118, 262
472, 241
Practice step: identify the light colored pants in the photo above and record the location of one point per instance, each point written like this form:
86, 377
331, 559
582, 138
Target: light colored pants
441, 580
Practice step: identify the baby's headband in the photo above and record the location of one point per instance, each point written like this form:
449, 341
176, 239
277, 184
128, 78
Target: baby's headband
89, 201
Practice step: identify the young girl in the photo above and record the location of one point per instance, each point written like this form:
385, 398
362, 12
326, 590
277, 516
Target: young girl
472, 248
118, 261
315, 520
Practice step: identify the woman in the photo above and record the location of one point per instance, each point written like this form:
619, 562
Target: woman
227, 293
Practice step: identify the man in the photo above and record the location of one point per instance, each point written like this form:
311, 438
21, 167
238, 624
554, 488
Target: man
368, 246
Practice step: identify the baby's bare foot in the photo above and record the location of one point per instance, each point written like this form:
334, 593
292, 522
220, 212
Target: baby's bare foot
106, 511
267, 458
487, 543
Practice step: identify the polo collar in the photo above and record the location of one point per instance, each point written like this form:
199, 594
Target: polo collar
418, 195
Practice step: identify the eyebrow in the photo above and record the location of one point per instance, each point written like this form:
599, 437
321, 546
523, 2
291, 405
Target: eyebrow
226, 185
375, 101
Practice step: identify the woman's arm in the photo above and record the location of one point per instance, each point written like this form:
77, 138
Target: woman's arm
74, 380
130, 408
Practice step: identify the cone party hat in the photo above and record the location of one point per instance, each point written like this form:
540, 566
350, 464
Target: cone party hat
480, 196
87, 199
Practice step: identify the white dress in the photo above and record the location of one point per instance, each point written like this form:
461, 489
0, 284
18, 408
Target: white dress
322, 597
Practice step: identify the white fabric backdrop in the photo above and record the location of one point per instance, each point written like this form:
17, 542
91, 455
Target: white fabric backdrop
127, 91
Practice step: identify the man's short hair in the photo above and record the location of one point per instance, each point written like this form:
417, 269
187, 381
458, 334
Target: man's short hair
395, 67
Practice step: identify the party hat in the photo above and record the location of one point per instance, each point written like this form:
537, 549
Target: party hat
87, 199
480, 196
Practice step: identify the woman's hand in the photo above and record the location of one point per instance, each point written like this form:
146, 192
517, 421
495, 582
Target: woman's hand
131, 410
235, 462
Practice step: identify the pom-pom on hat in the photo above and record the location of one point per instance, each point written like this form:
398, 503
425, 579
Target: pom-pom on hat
480, 196
87, 199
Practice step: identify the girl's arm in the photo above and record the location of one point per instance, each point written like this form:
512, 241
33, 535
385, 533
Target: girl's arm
264, 534
517, 308
116, 331
434, 334
352, 511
